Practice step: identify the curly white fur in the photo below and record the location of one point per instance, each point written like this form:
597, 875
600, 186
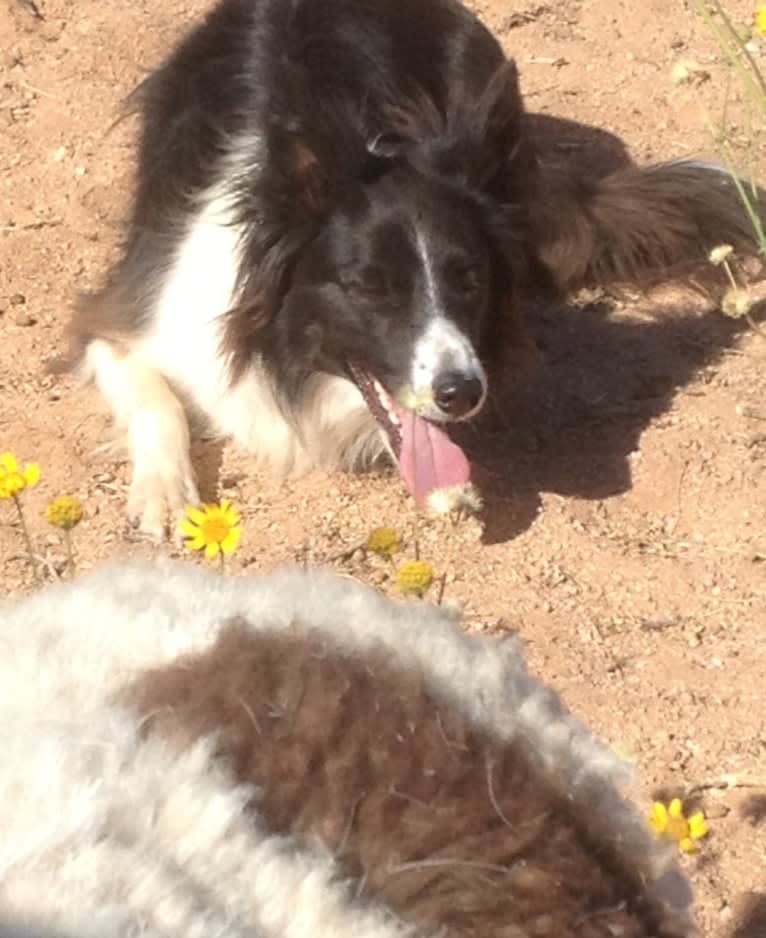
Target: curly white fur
106, 833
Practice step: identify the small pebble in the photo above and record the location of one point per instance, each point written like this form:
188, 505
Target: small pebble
22, 318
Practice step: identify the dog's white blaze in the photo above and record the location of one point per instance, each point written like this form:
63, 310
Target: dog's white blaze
442, 346
426, 260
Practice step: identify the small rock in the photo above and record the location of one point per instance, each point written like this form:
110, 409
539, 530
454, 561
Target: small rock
11, 58
17, 299
51, 32
717, 812
22, 318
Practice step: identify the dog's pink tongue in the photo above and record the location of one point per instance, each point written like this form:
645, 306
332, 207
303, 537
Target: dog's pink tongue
429, 459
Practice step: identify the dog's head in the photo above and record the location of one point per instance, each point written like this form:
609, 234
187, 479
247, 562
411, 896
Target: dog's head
398, 292
408, 271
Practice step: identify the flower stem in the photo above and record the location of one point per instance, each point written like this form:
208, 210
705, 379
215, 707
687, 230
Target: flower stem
730, 275
442, 585
28, 541
69, 551
732, 46
748, 318
221, 560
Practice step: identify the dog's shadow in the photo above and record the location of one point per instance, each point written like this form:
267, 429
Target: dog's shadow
569, 424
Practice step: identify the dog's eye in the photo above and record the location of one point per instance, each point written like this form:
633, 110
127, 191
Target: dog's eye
369, 282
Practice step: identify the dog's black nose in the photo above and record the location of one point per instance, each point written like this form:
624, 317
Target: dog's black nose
456, 393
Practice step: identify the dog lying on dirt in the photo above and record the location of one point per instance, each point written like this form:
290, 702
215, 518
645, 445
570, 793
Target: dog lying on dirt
296, 755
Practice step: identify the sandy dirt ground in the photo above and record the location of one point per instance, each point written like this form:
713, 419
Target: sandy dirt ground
624, 535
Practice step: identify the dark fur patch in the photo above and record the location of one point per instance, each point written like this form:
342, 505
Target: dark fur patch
448, 826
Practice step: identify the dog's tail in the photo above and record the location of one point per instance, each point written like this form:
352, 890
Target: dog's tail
641, 225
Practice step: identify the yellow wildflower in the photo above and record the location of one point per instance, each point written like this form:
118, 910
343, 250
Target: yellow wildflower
759, 20
672, 823
383, 541
64, 512
414, 577
14, 480
212, 528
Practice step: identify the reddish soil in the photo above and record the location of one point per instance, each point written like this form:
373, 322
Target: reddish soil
624, 536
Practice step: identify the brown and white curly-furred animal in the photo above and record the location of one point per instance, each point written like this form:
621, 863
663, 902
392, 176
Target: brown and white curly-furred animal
297, 756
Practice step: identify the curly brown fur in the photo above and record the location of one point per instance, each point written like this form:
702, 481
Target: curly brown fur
446, 825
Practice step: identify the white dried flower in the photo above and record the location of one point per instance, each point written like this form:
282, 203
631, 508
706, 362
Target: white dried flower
736, 303
687, 72
455, 498
720, 253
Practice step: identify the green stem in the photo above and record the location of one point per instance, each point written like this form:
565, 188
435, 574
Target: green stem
740, 44
755, 218
28, 541
747, 202
754, 88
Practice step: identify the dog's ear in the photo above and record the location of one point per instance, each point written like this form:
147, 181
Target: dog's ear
497, 116
303, 170
474, 139
280, 210
489, 132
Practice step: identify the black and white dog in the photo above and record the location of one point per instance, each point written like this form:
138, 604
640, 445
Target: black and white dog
338, 208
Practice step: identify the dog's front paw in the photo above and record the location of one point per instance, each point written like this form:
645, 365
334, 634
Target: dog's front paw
163, 477
157, 499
